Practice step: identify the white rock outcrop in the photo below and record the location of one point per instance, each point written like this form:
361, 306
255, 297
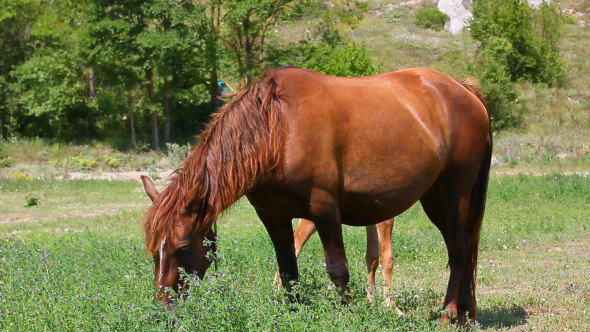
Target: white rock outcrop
459, 12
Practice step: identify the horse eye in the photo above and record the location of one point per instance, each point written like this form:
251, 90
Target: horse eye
183, 249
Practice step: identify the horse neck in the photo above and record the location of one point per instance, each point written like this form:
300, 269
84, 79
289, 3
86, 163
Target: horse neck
242, 145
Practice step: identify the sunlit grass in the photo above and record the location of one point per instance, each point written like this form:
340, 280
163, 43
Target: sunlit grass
61, 271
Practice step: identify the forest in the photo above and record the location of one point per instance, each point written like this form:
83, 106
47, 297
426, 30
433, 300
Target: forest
138, 74
151, 71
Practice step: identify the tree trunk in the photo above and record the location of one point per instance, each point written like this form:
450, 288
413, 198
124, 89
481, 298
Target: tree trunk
249, 56
155, 138
215, 101
91, 85
166, 110
154, 114
131, 115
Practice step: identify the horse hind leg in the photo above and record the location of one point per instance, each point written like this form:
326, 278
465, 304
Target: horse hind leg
384, 230
371, 259
449, 211
386, 253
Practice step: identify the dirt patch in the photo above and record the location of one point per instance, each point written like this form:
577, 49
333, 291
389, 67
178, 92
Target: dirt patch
112, 176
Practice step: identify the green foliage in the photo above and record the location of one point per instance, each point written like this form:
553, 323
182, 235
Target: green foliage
53, 100
533, 35
31, 200
517, 43
430, 17
5, 160
492, 67
176, 154
347, 60
397, 14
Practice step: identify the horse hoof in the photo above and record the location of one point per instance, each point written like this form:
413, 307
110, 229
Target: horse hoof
460, 320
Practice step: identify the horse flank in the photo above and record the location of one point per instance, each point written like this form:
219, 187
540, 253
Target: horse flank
240, 146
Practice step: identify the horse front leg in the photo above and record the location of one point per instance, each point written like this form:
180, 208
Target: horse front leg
305, 229
281, 234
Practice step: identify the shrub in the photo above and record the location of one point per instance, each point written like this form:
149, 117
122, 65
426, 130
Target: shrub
492, 67
430, 18
177, 153
533, 36
348, 60
517, 43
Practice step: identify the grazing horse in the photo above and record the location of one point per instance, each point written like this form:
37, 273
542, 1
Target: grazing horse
378, 245
334, 150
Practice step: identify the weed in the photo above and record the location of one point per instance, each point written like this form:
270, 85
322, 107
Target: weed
5, 162
31, 200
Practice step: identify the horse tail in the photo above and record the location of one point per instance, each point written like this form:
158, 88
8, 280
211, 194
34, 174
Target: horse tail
479, 191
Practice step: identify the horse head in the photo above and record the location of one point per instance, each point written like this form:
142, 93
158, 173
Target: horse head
182, 247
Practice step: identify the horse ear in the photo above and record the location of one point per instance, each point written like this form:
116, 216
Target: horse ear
190, 198
150, 188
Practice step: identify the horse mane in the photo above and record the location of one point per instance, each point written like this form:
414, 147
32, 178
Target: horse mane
241, 145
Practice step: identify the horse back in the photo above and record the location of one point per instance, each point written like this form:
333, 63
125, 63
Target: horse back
378, 142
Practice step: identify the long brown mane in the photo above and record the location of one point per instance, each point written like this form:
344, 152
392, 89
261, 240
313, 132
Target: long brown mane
242, 143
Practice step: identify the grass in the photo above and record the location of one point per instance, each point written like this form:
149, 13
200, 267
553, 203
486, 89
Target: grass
75, 262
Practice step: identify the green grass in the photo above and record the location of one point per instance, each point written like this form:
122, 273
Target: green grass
76, 262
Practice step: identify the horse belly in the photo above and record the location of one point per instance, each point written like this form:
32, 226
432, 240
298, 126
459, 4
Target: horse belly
374, 194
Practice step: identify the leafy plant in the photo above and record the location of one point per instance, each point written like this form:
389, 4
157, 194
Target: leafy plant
177, 153
517, 43
31, 200
21, 176
397, 14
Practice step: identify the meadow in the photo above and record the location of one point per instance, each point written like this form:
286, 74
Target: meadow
72, 256
75, 261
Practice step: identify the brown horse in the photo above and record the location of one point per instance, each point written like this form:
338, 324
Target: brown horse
336, 151
378, 245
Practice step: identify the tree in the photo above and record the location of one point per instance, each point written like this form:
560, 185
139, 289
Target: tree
248, 23
46, 91
16, 17
325, 48
153, 48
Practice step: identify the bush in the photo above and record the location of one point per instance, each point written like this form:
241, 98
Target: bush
348, 60
517, 43
333, 55
430, 18
176, 154
533, 35
492, 67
